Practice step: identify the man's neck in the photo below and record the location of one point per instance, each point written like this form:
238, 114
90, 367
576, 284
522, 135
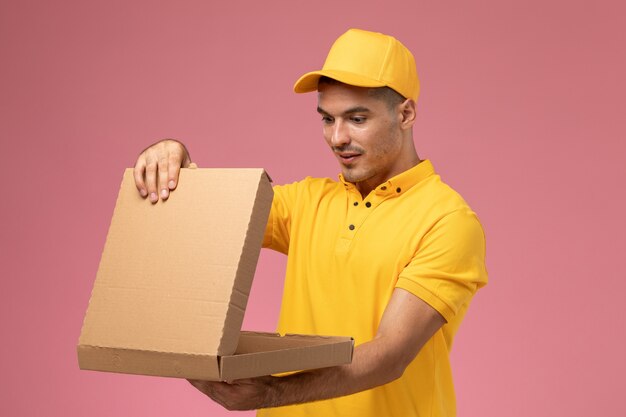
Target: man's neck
366, 187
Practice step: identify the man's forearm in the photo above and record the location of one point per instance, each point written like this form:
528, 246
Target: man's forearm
405, 327
370, 367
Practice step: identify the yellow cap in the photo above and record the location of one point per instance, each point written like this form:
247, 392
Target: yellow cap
367, 59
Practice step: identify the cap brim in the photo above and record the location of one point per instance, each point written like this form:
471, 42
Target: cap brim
308, 82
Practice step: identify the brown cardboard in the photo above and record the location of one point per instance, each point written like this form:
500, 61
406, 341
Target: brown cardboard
173, 283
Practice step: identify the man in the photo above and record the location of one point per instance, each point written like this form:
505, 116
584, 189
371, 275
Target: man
388, 254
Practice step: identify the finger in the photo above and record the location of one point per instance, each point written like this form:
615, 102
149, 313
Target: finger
140, 167
173, 171
205, 387
163, 176
151, 181
197, 384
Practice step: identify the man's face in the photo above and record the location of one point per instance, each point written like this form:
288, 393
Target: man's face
363, 132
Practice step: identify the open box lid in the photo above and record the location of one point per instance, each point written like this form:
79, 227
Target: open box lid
173, 282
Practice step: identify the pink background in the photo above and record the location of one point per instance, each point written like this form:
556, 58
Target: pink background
522, 111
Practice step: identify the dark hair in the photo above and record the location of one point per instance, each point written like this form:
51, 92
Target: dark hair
387, 94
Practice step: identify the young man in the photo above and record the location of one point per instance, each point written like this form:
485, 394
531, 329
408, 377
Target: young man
388, 254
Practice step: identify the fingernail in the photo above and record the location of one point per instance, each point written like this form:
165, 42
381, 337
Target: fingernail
164, 193
143, 193
171, 184
153, 197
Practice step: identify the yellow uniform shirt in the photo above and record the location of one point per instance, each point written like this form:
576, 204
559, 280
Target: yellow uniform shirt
346, 254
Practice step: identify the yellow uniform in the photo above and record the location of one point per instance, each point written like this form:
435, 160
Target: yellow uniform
346, 255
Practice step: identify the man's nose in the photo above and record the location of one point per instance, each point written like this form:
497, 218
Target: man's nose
340, 135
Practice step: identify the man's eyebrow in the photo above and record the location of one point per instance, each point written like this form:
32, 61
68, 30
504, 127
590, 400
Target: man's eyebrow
352, 110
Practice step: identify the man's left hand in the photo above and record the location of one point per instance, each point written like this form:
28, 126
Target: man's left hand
242, 394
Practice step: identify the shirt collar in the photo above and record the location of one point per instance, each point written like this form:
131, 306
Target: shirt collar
401, 182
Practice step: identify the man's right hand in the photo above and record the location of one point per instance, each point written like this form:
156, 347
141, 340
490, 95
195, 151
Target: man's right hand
157, 168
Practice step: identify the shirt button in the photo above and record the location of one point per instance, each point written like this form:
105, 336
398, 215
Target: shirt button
368, 204
351, 227
398, 190
356, 203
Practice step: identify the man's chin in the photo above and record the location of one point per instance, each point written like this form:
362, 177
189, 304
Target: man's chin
350, 175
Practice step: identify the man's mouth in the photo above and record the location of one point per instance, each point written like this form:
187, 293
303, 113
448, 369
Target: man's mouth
347, 157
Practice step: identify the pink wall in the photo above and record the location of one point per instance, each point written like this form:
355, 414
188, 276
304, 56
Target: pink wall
522, 111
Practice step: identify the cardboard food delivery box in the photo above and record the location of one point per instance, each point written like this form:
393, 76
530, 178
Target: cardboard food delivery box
173, 282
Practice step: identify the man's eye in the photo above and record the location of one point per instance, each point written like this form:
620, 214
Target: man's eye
327, 119
358, 119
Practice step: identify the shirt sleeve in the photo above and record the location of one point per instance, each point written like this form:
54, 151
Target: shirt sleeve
278, 229
449, 264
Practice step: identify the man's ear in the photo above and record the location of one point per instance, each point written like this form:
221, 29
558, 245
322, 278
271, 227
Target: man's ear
408, 113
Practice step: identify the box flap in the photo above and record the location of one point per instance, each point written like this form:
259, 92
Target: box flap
268, 353
142, 362
208, 236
